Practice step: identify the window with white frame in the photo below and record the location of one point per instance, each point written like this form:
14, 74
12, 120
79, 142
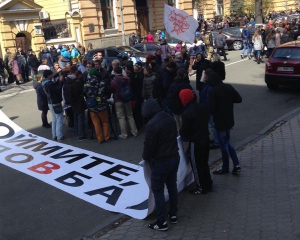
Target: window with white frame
107, 8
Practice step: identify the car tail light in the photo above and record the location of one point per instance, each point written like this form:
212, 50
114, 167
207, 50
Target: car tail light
268, 66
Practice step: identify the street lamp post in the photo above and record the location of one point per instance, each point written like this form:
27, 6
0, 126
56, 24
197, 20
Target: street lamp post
122, 23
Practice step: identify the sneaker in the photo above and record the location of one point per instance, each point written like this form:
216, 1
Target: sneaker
220, 172
197, 191
214, 147
173, 219
82, 139
63, 139
54, 139
158, 226
236, 169
242, 56
121, 136
47, 126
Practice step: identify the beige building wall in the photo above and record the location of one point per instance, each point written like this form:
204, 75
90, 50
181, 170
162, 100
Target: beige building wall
56, 8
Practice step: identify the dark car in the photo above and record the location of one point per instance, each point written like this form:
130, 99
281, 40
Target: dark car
233, 42
111, 53
283, 66
234, 39
148, 48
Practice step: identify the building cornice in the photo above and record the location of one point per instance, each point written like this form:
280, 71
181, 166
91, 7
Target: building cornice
21, 10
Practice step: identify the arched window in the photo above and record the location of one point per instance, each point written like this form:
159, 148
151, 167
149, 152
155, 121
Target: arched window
172, 3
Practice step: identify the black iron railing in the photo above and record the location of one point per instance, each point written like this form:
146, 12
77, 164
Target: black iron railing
56, 29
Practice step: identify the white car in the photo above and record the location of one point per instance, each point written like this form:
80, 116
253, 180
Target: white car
173, 42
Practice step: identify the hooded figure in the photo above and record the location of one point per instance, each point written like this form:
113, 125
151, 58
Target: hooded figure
161, 152
194, 129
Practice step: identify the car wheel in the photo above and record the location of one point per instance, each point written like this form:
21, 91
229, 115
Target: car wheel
237, 45
272, 86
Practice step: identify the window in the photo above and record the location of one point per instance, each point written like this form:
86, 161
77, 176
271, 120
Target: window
172, 3
287, 54
107, 14
151, 47
112, 53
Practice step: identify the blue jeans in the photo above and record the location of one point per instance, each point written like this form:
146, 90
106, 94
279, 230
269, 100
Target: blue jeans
245, 46
211, 126
227, 149
164, 172
57, 123
257, 53
79, 124
250, 46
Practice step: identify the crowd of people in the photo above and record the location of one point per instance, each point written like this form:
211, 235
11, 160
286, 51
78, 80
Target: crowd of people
157, 94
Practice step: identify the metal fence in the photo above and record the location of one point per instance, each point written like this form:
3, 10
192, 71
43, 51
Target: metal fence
56, 29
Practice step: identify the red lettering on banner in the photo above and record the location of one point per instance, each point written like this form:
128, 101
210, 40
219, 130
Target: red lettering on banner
44, 167
180, 25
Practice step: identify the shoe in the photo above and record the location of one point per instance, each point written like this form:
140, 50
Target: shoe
236, 169
242, 56
47, 126
54, 139
220, 172
158, 226
225, 60
121, 136
173, 219
63, 139
82, 139
214, 147
135, 135
198, 191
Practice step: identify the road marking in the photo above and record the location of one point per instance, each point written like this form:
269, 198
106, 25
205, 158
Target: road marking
236, 62
12, 94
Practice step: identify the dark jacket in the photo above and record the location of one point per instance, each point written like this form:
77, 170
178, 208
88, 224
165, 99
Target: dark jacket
195, 124
136, 86
47, 55
200, 67
161, 133
42, 101
73, 94
53, 90
166, 79
33, 62
173, 99
219, 67
220, 102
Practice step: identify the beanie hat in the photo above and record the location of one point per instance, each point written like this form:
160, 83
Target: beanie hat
93, 72
186, 96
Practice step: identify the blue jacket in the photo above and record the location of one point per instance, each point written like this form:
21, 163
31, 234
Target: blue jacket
74, 53
64, 52
245, 35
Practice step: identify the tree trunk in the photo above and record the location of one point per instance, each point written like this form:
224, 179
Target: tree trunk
258, 11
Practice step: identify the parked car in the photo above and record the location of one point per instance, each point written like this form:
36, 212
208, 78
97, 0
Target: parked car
148, 48
111, 53
133, 53
233, 42
283, 66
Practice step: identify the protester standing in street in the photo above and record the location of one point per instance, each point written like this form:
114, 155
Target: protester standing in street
161, 151
195, 130
220, 104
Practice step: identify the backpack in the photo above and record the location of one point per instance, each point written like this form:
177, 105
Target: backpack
125, 91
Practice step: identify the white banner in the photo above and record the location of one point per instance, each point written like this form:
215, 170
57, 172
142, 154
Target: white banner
106, 182
179, 24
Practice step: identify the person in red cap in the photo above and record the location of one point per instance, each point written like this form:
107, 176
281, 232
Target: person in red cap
194, 129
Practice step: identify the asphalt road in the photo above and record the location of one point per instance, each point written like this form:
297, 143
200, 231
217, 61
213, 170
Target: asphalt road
31, 209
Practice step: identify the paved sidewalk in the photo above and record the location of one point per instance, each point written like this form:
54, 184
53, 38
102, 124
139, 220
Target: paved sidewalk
12, 89
261, 203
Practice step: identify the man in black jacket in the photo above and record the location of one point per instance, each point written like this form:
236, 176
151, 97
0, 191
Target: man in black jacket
53, 91
161, 151
220, 104
195, 130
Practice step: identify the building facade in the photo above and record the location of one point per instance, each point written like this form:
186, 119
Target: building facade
39, 23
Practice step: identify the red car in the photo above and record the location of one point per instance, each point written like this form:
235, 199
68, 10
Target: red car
283, 66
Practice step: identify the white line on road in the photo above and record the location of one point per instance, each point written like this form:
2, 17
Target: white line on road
236, 62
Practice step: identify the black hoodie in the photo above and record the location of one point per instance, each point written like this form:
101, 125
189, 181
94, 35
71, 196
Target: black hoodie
220, 102
161, 133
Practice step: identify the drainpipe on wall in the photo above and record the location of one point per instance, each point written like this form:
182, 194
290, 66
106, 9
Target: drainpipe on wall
122, 23
69, 6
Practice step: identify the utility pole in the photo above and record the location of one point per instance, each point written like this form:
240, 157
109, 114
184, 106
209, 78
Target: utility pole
122, 23
258, 11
